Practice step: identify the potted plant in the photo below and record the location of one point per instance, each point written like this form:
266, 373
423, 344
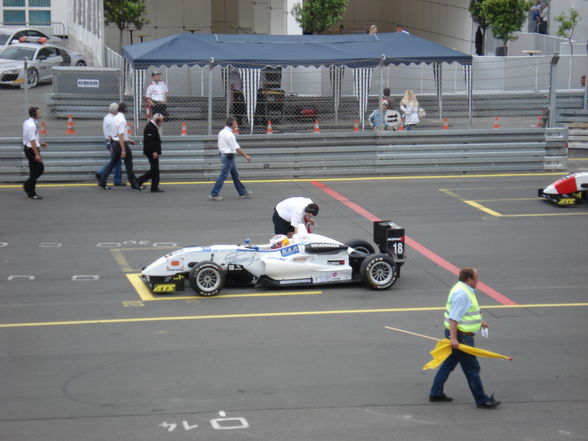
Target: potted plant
505, 18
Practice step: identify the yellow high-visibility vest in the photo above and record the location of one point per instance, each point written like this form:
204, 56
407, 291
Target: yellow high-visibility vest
472, 319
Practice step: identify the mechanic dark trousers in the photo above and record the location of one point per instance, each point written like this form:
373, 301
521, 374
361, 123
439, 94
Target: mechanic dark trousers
36, 169
115, 156
281, 226
152, 173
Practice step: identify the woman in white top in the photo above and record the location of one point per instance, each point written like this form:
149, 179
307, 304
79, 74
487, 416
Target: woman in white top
409, 106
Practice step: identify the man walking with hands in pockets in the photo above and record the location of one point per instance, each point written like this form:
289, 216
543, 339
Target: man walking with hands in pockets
227, 147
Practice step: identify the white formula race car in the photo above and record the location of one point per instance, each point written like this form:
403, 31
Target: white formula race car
306, 259
569, 190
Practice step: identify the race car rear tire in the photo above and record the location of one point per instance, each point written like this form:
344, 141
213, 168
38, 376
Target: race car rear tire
361, 245
207, 278
378, 271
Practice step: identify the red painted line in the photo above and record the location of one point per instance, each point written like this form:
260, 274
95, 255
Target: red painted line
418, 247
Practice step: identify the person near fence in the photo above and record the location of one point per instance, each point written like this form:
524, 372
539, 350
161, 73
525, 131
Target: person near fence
107, 129
228, 147
462, 320
152, 150
291, 212
535, 14
373, 29
543, 19
32, 144
120, 150
392, 117
157, 95
386, 96
409, 106
374, 117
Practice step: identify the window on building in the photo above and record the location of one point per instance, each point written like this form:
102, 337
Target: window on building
39, 18
14, 17
14, 3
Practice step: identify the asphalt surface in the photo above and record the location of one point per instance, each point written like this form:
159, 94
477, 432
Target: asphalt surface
85, 357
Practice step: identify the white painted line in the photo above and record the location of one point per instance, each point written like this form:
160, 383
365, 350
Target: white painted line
3, 244
130, 242
21, 277
228, 423
50, 245
108, 245
85, 277
164, 244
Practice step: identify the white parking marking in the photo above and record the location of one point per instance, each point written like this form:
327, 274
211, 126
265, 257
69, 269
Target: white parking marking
108, 245
21, 277
164, 244
3, 244
85, 277
228, 423
50, 245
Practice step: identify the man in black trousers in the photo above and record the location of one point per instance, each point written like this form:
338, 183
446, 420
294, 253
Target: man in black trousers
152, 150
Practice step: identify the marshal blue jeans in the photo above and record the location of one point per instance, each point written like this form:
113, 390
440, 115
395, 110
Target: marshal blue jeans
469, 366
229, 165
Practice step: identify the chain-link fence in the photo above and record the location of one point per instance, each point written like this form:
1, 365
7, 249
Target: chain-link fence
507, 92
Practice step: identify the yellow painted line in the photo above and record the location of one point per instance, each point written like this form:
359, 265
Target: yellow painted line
546, 214
270, 314
483, 208
121, 261
367, 178
147, 296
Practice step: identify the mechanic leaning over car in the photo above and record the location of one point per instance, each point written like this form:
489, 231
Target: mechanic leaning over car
291, 212
31, 143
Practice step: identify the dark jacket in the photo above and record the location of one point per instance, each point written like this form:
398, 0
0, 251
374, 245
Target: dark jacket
151, 140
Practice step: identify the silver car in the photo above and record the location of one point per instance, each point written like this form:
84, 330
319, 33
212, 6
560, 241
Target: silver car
41, 58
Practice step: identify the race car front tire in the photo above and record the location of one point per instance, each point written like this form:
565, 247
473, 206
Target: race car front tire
207, 278
379, 271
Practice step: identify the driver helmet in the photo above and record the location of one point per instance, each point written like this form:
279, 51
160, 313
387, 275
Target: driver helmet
278, 241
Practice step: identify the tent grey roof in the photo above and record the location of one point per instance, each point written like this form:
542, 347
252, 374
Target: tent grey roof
256, 50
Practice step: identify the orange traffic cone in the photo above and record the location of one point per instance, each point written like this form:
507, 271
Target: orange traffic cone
184, 131
70, 126
43, 128
356, 126
445, 124
400, 128
129, 128
496, 124
269, 129
540, 122
316, 126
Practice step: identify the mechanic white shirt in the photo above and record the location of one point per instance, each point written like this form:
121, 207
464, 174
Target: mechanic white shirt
108, 126
227, 142
30, 132
157, 91
292, 209
119, 125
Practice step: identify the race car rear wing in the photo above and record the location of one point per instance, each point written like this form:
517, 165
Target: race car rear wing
390, 240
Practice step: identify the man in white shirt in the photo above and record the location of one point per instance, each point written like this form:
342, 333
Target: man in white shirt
31, 143
292, 212
120, 150
157, 95
227, 147
108, 131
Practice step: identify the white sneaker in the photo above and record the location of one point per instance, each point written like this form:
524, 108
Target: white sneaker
246, 195
215, 198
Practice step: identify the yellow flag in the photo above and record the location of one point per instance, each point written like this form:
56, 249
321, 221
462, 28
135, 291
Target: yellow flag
443, 349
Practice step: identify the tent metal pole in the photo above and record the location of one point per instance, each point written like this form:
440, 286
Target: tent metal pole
470, 70
380, 104
210, 67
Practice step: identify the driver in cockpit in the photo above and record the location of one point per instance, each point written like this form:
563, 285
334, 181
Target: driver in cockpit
279, 241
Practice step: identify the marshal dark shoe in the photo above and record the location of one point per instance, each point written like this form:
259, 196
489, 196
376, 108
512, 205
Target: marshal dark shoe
440, 399
490, 404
